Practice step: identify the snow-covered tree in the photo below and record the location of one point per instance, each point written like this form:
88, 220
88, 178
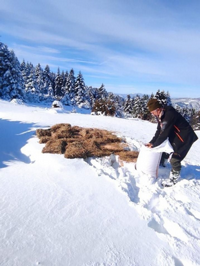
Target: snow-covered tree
32, 89
47, 81
92, 94
128, 105
138, 107
163, 97
58, 84
39, 78
11, 80
119, 105
70, 86
80, 95
50, 91
195, 120
102, 93
23, 69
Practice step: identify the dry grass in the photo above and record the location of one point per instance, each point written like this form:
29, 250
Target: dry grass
55, 146
77, 142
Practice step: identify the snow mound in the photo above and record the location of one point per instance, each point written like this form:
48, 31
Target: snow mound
57, 104
17, 101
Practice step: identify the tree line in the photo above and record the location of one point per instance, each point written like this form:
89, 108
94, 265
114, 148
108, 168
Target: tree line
37, 85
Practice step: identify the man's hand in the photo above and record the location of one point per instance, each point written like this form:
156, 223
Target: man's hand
149, 145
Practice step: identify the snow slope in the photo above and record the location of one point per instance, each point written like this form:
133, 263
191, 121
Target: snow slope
96, 212
192, 103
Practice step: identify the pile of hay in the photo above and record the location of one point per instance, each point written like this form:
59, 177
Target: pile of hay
77, 142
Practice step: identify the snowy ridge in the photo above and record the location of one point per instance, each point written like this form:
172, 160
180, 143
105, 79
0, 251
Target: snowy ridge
191, 103
99, 211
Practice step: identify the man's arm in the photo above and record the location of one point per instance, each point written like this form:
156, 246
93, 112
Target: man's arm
167, 126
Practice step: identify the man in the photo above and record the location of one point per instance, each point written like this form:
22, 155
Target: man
181, 136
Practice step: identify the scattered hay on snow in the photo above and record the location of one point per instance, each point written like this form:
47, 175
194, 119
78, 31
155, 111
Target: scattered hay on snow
77, 142
55, 146
43, 133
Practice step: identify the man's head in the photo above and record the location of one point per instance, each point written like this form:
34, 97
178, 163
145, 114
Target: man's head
154, 106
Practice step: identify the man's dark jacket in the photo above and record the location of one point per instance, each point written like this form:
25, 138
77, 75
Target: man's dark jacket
173, 125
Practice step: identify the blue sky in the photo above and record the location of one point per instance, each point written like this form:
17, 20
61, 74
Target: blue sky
131, 46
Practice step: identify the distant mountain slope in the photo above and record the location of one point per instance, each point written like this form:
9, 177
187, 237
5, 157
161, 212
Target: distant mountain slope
182, 102
187, 102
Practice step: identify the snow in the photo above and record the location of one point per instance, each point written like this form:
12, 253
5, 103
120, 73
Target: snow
192, 103
94, 212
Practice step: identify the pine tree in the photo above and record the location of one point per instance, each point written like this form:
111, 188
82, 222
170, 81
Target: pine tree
145, 112
195, 120
119, 106
32, 89
31, 84
23, 69
128, 105
58, 85
39, 78
92, 95
66, 76
163, 98
80, 92
137, 107
47, 81
102, 93
11, 80
70, 86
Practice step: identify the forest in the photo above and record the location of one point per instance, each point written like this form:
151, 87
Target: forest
33, 84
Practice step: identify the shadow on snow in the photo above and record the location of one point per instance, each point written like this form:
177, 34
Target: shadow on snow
190, 172
14, 135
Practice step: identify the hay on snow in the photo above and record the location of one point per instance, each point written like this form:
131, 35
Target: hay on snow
78, 142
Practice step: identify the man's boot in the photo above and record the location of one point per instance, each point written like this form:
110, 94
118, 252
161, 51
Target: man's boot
172, 180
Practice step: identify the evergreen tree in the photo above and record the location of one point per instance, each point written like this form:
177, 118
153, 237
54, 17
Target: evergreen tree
47, 81
63, 83
70, 86
195, 120
11, 80
50, 91
31, 84
92, 94
32, 89
138, 106
163, 98
39, 78
102, 93
128, 105
145, 113
187, 113
80, 92
66, 76
119, 106
58, 85
23, 69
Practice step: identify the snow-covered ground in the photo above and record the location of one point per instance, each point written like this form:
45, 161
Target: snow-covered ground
59, 212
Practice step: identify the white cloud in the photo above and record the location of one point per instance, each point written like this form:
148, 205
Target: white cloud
137, 40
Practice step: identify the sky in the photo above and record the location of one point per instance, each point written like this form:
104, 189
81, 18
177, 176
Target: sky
130, 46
